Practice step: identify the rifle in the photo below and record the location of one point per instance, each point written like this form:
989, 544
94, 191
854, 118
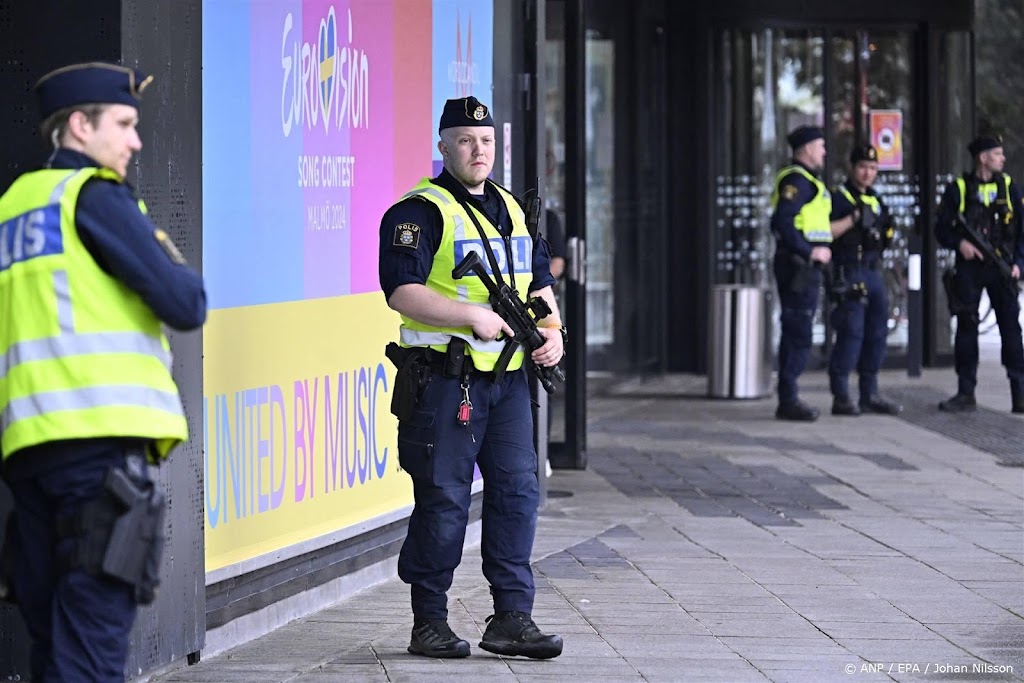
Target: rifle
519, 315
992, 253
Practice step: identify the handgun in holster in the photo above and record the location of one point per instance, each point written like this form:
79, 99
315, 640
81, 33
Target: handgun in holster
120, 533
956, 306
412, 376
136, 539
841, 289
803, 274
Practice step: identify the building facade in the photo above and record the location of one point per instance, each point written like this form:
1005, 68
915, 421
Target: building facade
279, 131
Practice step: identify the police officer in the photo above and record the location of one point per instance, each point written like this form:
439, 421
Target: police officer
861, 229
989, 200
801, 206
86, 395
466, 414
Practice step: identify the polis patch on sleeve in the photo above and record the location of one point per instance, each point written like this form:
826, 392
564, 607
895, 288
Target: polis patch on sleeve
789, 192
407, 235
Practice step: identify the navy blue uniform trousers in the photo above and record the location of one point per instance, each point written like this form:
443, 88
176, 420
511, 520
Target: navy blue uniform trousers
971, 278
861, 331
79, 623
797, 318
439, 454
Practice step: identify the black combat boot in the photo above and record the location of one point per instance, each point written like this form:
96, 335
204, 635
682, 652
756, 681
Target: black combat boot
842, 405
514, 633
433, 638
798, 411
882, 406
1017, 397
960, 403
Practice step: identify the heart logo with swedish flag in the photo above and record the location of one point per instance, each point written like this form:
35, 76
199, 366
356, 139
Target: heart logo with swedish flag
328, 47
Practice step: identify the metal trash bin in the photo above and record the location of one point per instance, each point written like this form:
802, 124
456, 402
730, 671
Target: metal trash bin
738, 354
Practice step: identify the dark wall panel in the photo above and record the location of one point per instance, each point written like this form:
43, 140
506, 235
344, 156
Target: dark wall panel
164, 38
41, 35
689, 230
951, 13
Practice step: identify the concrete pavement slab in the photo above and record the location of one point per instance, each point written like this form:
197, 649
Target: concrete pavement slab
710, 542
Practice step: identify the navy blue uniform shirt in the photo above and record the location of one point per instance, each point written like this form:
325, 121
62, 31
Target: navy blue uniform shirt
400, 265
949, 207
121, 240
783, 220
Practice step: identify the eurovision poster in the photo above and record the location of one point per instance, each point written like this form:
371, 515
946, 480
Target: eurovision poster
317, 116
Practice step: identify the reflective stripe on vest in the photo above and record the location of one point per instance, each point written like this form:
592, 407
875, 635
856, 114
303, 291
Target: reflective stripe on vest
459, 236
409, 337
92, 361
66, 345
86, 398
813, 219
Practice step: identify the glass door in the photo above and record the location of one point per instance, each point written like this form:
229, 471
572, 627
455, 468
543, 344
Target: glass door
769, 82
872, 101
860, 87
568, 204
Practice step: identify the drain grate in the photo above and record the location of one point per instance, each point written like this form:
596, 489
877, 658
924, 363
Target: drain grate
985, 430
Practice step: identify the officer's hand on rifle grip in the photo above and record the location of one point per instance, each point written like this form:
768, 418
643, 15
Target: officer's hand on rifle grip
969, 251
487, 325
552, 351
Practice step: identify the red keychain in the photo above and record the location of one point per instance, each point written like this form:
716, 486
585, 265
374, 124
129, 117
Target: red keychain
466, 407
465, 413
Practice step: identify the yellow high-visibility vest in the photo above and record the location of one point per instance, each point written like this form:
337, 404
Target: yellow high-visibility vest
812, 220
987, 193
459, 237
81, 355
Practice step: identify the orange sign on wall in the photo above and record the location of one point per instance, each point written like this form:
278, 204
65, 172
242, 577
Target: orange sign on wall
887, 138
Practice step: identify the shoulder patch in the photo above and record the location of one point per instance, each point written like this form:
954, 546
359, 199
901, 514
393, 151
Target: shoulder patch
406, 235
165, 242
789, 192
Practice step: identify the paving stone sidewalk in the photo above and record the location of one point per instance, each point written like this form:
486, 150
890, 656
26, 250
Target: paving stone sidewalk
709, 542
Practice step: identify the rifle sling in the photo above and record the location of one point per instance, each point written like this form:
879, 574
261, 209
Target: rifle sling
491, 258
510, 343
501, 365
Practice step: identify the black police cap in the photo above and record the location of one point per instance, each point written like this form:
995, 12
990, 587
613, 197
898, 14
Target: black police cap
464, 111
863, 153
801, 135
984, 143
90, 83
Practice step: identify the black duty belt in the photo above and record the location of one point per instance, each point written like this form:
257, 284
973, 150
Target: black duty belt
437, 361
